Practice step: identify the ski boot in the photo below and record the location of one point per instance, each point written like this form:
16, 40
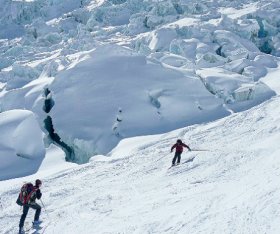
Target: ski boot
36, 223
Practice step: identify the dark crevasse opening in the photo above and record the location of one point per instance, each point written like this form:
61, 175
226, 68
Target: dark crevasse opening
70, 156
265, 47
219, 52
263, 39
49, 103
48, 125
262, 33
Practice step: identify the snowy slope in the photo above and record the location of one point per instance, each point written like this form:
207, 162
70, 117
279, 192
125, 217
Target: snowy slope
232, 188
101, 77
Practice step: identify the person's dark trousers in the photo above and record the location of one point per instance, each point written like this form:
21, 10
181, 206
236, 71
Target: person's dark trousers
34, 206
178, 157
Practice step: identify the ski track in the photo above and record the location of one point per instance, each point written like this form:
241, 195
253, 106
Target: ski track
220, 191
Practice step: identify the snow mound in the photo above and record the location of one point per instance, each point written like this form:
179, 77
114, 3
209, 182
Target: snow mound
114, 93
21, 144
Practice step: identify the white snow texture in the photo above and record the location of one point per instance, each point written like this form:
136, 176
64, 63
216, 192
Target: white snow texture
93, 94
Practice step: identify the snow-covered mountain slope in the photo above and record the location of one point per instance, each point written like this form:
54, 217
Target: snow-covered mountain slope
231, 188
93, 77
180, 62
78, 77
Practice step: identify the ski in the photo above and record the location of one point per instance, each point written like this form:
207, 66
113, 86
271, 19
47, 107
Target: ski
28, 227
187, 161
45, 227
174, 165
37, 230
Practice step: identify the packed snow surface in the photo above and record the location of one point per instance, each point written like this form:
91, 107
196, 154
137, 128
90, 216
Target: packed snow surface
230, 188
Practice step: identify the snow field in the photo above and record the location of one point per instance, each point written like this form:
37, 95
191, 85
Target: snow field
232, 188
126, 68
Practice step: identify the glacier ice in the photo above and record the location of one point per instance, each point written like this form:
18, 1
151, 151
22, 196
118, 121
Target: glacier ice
45, 38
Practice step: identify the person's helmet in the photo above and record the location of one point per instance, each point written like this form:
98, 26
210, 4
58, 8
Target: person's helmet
38, 182
179, 141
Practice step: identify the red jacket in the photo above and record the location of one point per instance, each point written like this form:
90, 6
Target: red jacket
179, 147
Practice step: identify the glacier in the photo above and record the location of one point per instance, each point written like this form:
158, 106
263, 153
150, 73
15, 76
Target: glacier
93, 94
225, 49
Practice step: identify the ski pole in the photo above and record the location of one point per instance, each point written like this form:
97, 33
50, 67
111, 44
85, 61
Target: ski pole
45, 209
199, 150
44, 229
161, 157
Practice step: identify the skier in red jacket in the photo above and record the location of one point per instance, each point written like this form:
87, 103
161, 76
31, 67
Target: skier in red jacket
179, 150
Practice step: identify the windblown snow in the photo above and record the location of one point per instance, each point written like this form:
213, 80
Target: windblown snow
93, 94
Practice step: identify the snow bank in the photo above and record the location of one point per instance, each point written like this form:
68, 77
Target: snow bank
114, 93
272, 80
21, 144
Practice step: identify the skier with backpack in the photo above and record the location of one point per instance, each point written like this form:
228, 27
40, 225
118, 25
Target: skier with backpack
178, 146
27, 197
